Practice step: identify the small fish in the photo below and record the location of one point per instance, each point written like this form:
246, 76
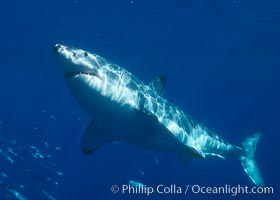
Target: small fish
156, 159
134, 184
52, 117
58, 148
9, 158
16, 194
50, 197
59, 173
4, 175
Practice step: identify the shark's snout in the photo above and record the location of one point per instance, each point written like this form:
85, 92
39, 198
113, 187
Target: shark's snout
60, 49
74, 62
64, 58
56, 48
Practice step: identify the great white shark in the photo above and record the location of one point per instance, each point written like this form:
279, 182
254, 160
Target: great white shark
140, 113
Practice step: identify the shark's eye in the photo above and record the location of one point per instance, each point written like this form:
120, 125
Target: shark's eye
74, 54
86, 54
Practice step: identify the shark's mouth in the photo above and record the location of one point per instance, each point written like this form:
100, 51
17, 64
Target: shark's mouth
76, 74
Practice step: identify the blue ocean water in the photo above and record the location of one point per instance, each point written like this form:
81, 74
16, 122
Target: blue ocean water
221, 60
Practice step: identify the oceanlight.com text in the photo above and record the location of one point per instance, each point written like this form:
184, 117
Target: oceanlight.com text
228, 189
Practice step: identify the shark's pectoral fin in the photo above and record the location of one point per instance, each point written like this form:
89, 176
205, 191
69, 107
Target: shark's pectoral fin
158, 84
94, 137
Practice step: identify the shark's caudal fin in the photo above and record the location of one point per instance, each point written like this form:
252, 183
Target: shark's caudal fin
248, 158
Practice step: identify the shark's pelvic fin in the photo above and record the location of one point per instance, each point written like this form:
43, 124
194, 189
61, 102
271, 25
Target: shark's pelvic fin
248, 158
94, 137
197, 153
158, 84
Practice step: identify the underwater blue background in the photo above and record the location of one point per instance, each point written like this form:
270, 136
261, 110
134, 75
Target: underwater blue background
221, 60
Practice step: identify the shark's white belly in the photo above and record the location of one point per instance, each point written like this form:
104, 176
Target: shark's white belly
124, 122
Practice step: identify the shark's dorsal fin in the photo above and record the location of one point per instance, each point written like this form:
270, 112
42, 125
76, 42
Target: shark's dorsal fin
158, 84
94, 137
